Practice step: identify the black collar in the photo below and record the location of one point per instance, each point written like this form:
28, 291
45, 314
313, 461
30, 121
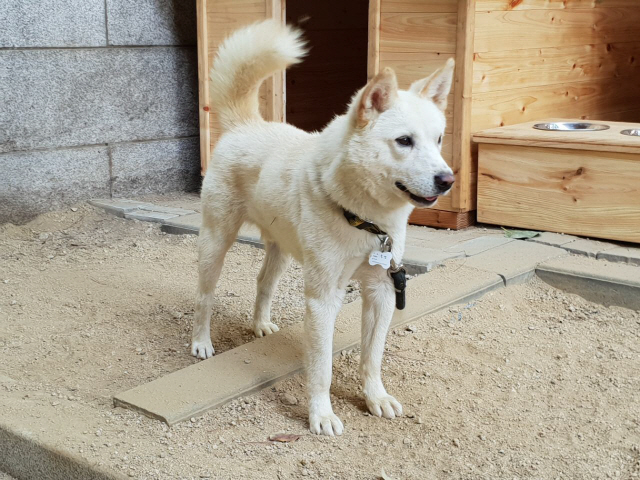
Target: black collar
360, 224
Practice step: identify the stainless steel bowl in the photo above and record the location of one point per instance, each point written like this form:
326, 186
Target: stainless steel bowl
632, 132
571, 126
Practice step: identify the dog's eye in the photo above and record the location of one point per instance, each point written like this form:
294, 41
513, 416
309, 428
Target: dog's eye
405, 141
440, 140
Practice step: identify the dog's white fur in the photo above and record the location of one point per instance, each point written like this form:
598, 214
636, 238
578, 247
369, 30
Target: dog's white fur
294, 186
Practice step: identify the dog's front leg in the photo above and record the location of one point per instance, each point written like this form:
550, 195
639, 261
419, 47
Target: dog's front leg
323, 305
378, 305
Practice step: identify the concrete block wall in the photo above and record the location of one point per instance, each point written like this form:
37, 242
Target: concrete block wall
98, 98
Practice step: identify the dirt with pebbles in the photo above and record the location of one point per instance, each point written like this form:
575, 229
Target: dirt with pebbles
528, 382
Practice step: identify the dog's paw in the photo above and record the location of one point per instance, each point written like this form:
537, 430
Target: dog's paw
384, 406
264, 329
325, 424
202, 349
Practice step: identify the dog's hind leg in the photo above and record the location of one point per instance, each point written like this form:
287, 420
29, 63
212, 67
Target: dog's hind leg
274, 265
378, 304
215, 239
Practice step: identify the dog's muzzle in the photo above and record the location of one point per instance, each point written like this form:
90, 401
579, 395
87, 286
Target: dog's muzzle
426, 201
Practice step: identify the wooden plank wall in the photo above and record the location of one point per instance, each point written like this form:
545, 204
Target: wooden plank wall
222, 18
416, 38
555, 58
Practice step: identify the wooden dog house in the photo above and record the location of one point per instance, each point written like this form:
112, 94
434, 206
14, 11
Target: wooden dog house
516, 61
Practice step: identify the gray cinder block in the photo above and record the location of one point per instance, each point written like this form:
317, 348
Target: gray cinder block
36, 182
59, 98
151, 22
156, 167
52, 23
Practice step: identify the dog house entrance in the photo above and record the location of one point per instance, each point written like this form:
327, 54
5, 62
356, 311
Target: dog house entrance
336, 67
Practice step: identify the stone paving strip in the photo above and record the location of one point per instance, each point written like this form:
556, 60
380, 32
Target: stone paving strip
425, 248
602, 250
596, 280
479, 260
193, 390
30, 442
143, 211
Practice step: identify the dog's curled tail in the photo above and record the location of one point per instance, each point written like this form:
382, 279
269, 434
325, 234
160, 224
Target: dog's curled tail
244, 60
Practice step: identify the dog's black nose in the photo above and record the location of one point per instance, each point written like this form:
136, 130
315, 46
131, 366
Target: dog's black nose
444, 182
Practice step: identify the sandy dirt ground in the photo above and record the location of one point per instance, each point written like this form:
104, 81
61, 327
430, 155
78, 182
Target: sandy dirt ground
528, 382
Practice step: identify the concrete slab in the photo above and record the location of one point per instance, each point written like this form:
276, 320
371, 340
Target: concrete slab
422, 260
553, 239
170, 210
587, 247
183, 225
27, 432
426, 237
200, 387
516, 261
250, 235
149, 216
416, 259
117, 207
630, 255
595, 280
479, 245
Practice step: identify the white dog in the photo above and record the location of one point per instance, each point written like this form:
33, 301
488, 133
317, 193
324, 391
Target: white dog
307, 193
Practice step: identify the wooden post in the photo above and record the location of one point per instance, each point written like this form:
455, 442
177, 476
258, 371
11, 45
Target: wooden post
275, 86
373, 60
462, 93
203, 86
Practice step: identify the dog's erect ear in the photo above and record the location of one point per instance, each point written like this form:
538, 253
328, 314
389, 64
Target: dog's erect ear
437, 86
378, 96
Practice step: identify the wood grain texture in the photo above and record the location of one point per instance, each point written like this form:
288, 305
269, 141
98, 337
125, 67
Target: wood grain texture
222, 18
419, 6
418, 32
521, 29
442, 219
588, 100
237, 6
631, 114
275, 87
221, 25
203, 86
463, 194
416, 38
410, 67
447, 150
594, 194
532, 67
489, 5
373, 52
525, 135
